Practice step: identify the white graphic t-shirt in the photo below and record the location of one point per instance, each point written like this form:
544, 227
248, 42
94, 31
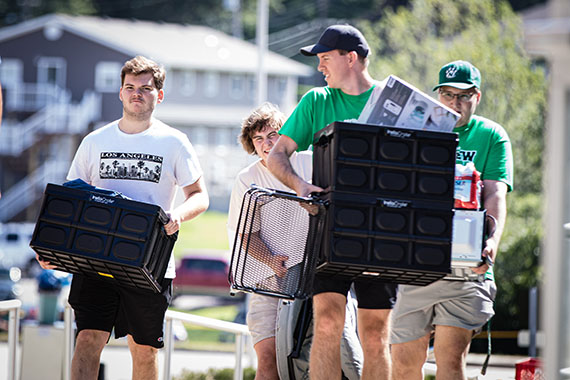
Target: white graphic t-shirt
146, 166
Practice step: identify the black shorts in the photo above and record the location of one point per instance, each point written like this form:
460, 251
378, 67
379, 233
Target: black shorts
370, 294
102, 305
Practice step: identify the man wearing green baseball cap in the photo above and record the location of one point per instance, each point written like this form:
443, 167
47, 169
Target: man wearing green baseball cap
453, 311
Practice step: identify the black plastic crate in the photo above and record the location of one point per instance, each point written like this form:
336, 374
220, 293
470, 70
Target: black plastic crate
387, 161
393, 240
274, 222
100, 236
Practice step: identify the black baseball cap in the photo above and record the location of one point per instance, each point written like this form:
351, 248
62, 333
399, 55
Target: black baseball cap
344, 37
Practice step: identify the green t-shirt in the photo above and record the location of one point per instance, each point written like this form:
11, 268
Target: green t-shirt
488, 146
318, 108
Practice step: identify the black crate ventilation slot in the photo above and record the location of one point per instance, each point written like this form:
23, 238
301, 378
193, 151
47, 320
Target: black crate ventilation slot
273, 223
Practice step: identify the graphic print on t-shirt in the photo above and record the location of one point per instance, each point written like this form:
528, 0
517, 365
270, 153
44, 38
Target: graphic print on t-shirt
136, 166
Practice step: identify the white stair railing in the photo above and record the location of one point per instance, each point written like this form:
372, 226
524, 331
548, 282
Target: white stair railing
55, 118
30, 189
13, 307
240, 330
31, 97
16, 138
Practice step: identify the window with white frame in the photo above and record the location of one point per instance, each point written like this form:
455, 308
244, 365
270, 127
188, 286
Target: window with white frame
252, 87
237, 86
199, 136
108, 76
281, 88
11, 72
212, 84
187, 80
52, 70
222, 137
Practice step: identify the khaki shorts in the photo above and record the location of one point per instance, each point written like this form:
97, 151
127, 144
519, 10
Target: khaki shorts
418, 309
262, 317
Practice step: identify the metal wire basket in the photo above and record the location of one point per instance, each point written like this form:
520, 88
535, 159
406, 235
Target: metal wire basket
276, 243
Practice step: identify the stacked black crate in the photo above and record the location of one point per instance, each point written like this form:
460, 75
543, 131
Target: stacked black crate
105, 237
390, 194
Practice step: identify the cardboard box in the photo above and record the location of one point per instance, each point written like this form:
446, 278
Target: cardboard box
401, 105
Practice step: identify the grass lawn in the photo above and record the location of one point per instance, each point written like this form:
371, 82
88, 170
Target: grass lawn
207, 231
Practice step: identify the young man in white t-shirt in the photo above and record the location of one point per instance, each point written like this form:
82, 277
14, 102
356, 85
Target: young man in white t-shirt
258, 135
145, 160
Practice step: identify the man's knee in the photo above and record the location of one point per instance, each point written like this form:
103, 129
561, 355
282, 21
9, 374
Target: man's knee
143, 353
329, 313
451, 344
410, 354
450, 360
374, 325
91, 341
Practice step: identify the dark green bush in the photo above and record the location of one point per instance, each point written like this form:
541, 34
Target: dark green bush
215, 374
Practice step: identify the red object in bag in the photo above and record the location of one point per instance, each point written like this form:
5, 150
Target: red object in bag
529, 369
468, 187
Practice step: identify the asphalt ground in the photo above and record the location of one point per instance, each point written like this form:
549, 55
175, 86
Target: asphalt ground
117, 362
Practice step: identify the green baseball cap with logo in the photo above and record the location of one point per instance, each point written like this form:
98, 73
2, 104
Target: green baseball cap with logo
459, 74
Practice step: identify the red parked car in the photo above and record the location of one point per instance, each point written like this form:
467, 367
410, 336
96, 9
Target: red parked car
202, 275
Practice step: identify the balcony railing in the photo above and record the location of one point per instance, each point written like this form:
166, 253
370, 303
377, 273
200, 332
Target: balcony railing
30, 189
31, 97
54, 118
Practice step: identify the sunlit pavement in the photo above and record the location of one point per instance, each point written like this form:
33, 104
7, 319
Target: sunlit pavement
117, 361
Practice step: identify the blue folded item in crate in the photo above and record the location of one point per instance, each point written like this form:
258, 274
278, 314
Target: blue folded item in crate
82, 185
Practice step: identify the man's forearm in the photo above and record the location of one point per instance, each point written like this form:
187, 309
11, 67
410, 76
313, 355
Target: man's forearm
261, 252
278, 163
495, 202
196, 204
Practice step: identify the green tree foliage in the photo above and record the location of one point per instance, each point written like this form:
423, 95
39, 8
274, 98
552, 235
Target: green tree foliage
414, 42
13, 11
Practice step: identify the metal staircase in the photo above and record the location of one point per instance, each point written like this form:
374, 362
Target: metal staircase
58, 118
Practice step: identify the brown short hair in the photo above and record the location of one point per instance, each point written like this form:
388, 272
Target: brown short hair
266, 115
142, 65
362, 59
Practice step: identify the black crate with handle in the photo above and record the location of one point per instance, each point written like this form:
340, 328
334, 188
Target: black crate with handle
390, 195
105, 237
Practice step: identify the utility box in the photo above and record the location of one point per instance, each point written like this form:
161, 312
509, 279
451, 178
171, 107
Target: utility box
529, 369
105, 237
42, 352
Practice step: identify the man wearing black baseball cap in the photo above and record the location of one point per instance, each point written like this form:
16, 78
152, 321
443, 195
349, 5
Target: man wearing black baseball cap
343, 37
454, 310
342, 52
